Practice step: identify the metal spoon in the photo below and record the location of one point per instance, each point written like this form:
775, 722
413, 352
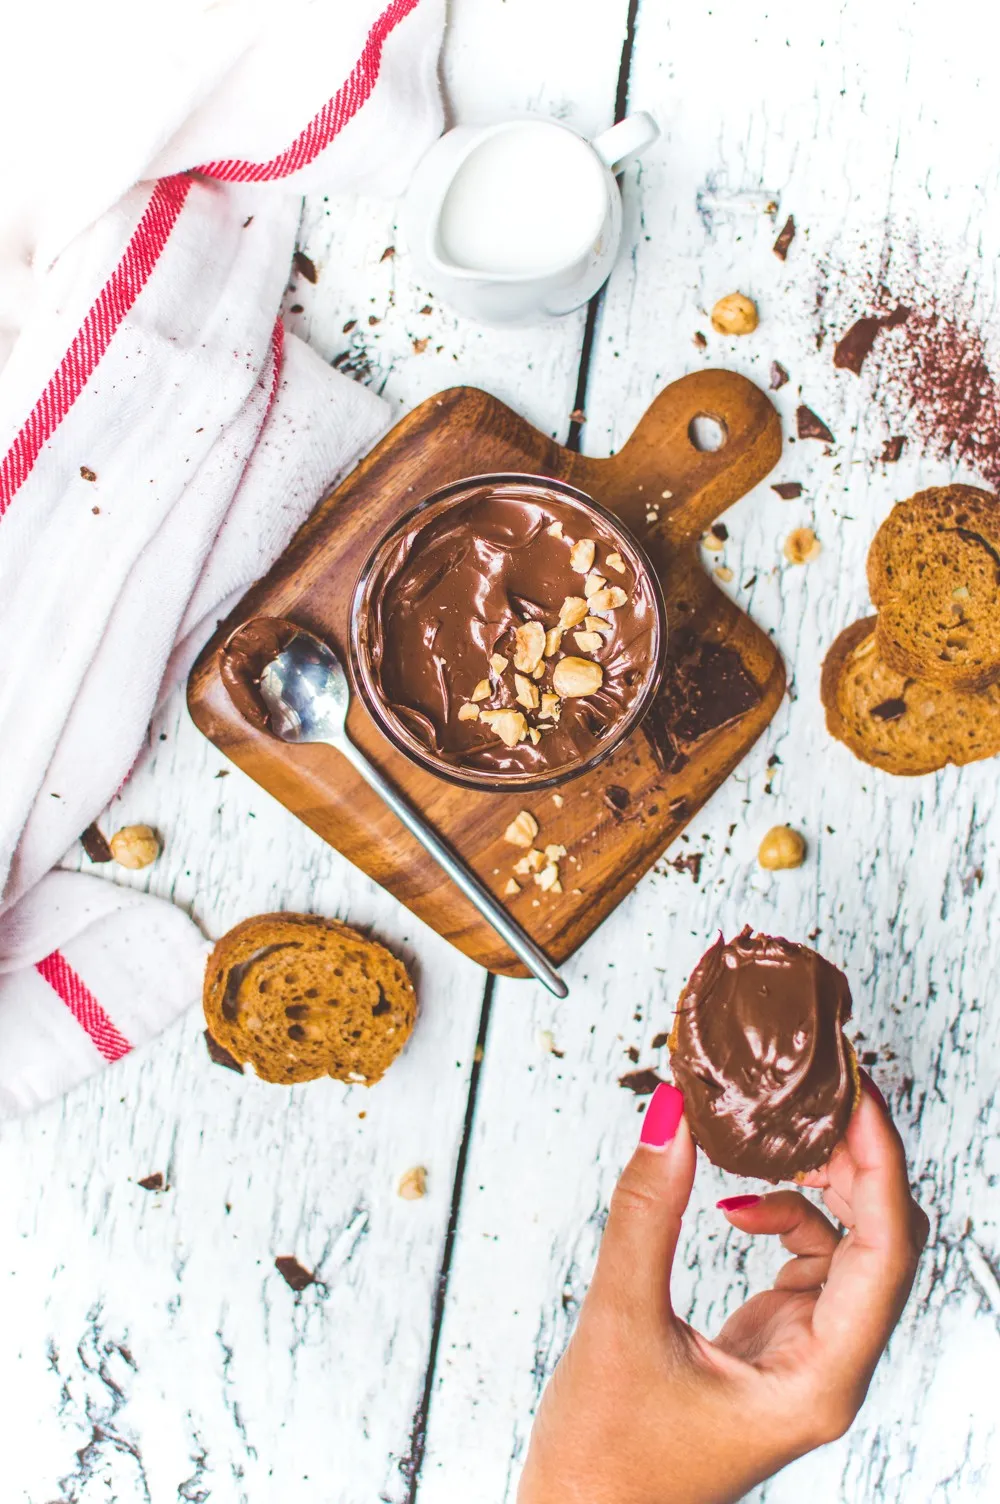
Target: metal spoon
307, 696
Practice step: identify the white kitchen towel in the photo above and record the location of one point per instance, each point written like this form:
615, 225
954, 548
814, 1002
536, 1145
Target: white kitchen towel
161, 438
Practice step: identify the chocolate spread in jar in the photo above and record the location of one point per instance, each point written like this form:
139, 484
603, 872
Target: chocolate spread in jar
769, 1079
461, 606
245, 655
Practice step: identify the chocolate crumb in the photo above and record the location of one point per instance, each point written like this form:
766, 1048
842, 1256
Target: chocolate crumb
87, 473
616, 798
295, 308
893, 449
643, 1083
427, 308
854, 348
889, 710
420, 345
810, 426
869, 1057
293, 1273
633, 1054
373, 319
785, 238
774, 761
778, 375
96, 511
95, 845
699, 341
222, 773
221, 1056
788, 489
152, 1182
719, 530
349, 326
659, 1040
388, 253
691, 862
248, 222
305, 266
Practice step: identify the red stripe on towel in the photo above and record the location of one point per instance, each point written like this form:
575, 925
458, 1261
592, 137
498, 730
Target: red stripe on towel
83, 1005
113, 303
332, 118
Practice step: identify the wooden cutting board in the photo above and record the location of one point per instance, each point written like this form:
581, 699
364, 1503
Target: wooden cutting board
614, 821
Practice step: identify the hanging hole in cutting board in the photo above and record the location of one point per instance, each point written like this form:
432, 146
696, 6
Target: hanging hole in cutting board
707, 434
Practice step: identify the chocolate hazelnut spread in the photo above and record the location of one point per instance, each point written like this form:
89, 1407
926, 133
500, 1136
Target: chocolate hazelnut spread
244, 657
510, 629
769, 1079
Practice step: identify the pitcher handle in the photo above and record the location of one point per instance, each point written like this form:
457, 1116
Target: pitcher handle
617, 146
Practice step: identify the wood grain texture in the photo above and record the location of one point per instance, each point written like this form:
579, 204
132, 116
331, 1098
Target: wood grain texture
658, 474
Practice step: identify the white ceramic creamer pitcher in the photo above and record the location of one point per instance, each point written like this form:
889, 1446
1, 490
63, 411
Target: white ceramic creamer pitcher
516, 222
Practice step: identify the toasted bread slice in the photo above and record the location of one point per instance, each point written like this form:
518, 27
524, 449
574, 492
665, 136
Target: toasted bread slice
298, 997
934, 574
900, 724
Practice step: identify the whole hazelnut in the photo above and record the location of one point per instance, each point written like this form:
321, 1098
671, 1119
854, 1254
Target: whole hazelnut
735, 314
134, 846
781, 847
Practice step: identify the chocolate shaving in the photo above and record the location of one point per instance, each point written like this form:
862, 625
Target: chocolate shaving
854, 348
788, 489
616, 798
810, 426
691, 862
295, 308
152, 1182
719, 530
95, 845
643, 1083
659, 1040
889, 710
633, 1054
388, 253
699, 341
705, 687
293, 1273
678, 808
87, 474
305, 266
785, 238
221, 1056
892, 449
778, 375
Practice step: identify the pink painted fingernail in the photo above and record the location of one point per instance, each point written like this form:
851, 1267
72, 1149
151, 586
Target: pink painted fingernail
737, 1203
665, 1110
868, 1085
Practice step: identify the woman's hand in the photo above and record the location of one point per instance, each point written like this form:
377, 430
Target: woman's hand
642, 1409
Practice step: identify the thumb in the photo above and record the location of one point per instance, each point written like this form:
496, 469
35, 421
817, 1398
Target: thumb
644, 1220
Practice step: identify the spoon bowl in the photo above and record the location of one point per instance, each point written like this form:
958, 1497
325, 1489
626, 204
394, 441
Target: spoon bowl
306, 692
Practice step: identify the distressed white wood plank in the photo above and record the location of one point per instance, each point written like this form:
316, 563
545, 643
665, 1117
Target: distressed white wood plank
846, 116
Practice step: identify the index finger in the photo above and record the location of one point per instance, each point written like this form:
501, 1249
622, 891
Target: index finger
873, 1269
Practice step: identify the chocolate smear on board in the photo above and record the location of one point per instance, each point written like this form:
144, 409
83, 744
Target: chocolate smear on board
643, 1083
892, 449
889, 710
293, 1273
95, 845
810, 426
853, 349
305, 266
705, 687
788, 489
778, 375
221, 1056
785, 238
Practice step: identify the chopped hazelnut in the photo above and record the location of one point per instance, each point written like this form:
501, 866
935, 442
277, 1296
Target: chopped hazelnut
782, 847
616, 562
558, 800
511, 888
608, 600
581, 555
413, 1185
802, 545
530, 645
550, 707
576, 676
571, 612
548, 877
522, 830
538, 672
526, 693
509, 725
552, 640
554, 529
498, 663
723, 572
134, 846
734, 314
529, 863
481, 691
593, 583
468, 712
535, 735
713, 544
555, 852
588, 642
597, 624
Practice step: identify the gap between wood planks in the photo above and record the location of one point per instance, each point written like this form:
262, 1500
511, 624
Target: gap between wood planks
411, 1465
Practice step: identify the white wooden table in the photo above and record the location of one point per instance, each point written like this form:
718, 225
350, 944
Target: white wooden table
149, 1350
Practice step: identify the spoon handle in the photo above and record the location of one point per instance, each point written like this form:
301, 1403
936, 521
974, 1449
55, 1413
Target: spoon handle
462, 876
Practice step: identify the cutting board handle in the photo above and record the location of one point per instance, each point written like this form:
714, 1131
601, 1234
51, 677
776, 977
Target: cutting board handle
662, 469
